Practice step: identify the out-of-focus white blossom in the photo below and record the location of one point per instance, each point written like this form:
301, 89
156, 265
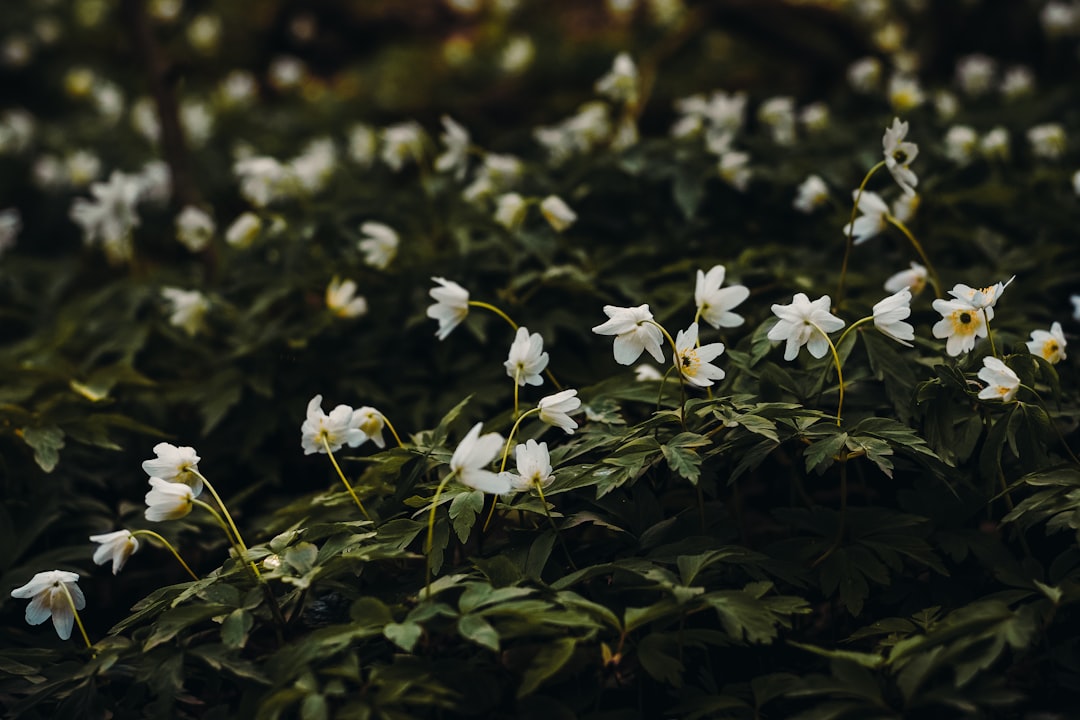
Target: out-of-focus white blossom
778, 114
913, 279
1018, 82
1047, 140
905, 93
342, 300
455, 158
961, 142
402, 143
110, 217
379, 244
975, 74
188, 308
10, 227
363, 144
243, 230
621, 83
864, 75
994, 145
510, 210
557, 213
194, 228
812, 194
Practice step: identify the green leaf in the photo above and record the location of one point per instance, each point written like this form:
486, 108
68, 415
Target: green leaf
404, 635
548, 660
301, 557
464, 509
684, 461
46, 442
174, 621
478, 630
235, 629
819, 455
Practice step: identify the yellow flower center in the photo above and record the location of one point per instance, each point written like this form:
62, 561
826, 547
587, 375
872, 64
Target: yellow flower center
900, 156
1050, 349
965, 322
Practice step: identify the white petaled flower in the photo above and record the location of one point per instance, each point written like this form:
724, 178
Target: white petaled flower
812, 194
734, 170
621, 83
497, 173
263, 179
815, 117
194, 228
905, 92
313, 168
379, 244
1047, 140
370, 422
188, 309
342, 300
10, 227
1050, 346
981, 298
945, 105
647, 373
168, 500
402, 143
904, 207
804, 323
510, 210
961, 142
115, 546
994, 145
555, 410
518, 54
363, 144
533, 466
960, 323
286, 72
1002, 382
557, 213
1018, 82
975, 74
778, 114
451, 305
175, 464
527, 358
83, 167
872, 220
899, 154
473, 453
864, 75
1059, 18
340, 427
456, 156
714, 304
49, 593
243, 230
913, 279
695, 362
111, 216
238, 89
634, 332
890, 314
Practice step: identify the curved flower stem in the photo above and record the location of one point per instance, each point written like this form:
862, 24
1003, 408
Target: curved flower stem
678, 368
839, 372
169, 546
851, 327
393, 432
558, 535
236, 533
510, 437
78, 620
919, 249
989, 333
341, 475
431, 533
517, 392
1042, 403
497, 311
851, 229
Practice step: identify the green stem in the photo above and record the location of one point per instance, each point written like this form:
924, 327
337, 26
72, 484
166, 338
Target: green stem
851, 327
352, 493
497, 311
558, 535
678, 368
851, 229
431, 533
510, 437
169, 546
236, 532
393, 432
78, 620
517, 374
989, 333
919, 249
839, 372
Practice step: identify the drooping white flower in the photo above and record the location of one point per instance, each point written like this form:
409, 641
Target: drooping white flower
49, 593
370, 422
1047, 140
451, 305
975, 74
981, 298
899, 154
471, 456
555, 410
168, 500
804, 323
243, 230
812, 194
194, 228
1050, 346
533, 466
403, 142
10, 227
714, 304
890, 314
340, 427
527, 358
871, 222
1002, 382
111, 216
175, 464
695, 362
913, 278
342, 300
960, 323
634, 332
456, 156
621, 83
116, 547
510, 210
557, 213
379, 244
188, 309
647, 373
904, 207
961, 142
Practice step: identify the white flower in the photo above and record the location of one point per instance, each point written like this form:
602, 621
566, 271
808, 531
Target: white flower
872, 221
889, 316
518, 54
1059, 18
899, 154
864, 74
694, 362
527, 358
945, 105
555, 410
340, 427
472, 454
401, 143
111, 216
342, 300
905, 93
451, 306
812, 194
1050, 346
83, 167
778, 114
168, 500
634, 332
975, 74
734, 171
960, 323
904, 207
621, 83
286, 72
204, 33
243, 230
1018, 82
370, 422
510, 210
981, 298
557, 213
721, 114
456, 156
189, 309
1002, 382
194, 228
17, 129
312, 169
960, 144
647, 373
995, 144
1047, 140
914, 279
379, 244
497, 173
714, 304
262, 179
363, 143
804, 323
175, 464
50, 591
238, 89
533, 466
815, 117
1075, 300
115, 546
197, 120
10, 227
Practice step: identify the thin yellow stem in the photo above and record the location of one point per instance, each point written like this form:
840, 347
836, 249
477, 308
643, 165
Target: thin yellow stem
431, 533
677, 362
919, 249
517, 374
497, 311
491, 513
510, 437
989, 333
242, 547
333, 460
169, 546
393, 432
851, 229
78, 620
851, 327
839, 372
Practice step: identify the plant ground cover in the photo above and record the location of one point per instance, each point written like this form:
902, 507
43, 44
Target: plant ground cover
485, 358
